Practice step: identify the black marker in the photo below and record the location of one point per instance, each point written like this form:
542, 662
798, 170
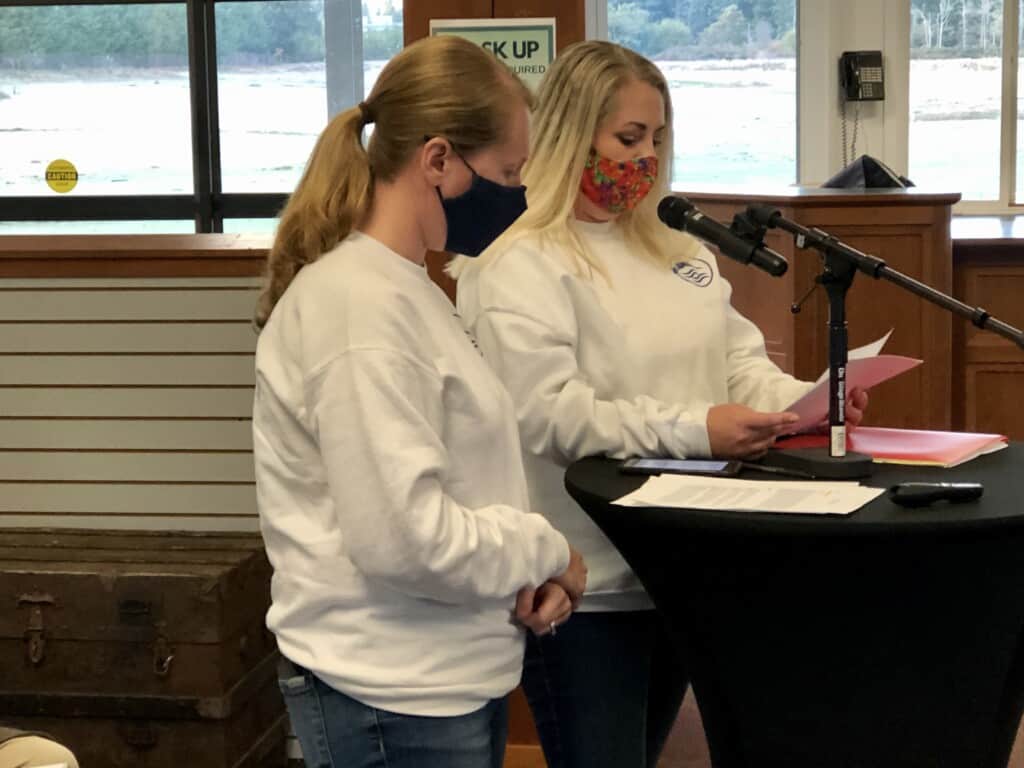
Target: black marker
777, 470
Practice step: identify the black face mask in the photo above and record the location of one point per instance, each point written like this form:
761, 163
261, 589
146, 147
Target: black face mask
480, 214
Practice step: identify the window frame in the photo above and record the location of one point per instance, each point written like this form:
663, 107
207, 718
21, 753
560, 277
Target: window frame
208, 205
1006, 204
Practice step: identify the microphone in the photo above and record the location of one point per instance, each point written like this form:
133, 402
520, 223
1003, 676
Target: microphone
680, 213
764, 215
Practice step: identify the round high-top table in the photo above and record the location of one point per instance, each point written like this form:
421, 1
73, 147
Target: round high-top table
891, 637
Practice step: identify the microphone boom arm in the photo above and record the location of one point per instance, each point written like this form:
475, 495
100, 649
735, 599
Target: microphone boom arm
879, 270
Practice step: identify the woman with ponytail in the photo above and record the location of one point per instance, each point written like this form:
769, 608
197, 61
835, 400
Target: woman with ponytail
389, 480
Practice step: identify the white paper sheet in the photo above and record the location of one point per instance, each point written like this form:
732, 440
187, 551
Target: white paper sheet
791, 497
874, 349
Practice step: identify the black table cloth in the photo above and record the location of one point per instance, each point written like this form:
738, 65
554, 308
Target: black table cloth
889, 637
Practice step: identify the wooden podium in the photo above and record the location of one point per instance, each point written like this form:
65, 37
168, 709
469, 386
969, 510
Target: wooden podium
910, 230
988, 371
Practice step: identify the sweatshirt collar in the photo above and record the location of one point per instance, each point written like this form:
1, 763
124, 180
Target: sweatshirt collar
596, 228
364, 241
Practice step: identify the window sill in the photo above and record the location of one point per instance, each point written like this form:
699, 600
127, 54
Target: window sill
987, 230
208, 255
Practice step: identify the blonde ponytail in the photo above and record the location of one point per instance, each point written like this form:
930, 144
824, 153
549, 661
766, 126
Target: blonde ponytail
328, 203
439, 86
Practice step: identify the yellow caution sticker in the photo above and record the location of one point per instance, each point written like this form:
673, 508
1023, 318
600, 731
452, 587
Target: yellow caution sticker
61, 175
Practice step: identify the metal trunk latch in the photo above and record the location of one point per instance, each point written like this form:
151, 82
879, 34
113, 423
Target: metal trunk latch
163, 655
142, 613
35, 631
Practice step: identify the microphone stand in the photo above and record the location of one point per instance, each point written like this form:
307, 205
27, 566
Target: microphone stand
841, 264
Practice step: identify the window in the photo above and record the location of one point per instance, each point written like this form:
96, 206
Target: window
731, 69
272, 110
963, 100
163, 131
101, 86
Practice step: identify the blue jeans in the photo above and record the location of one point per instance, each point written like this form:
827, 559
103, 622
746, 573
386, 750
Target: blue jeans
605, 690
336, 731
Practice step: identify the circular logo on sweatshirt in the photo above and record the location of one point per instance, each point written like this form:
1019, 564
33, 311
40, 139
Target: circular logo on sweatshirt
696, 271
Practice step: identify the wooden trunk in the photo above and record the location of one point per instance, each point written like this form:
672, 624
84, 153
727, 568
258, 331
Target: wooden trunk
142, 648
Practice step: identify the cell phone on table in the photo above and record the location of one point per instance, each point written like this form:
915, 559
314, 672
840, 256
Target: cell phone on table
712, 467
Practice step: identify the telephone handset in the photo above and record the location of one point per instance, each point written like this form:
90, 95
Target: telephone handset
861, 77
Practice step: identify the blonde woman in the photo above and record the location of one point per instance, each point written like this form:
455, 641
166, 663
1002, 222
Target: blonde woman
389, 480
614, 336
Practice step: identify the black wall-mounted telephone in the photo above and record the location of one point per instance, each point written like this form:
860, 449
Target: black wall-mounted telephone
861, 77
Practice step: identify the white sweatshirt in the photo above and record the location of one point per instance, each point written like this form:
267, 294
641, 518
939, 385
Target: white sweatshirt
390, 487
624, 367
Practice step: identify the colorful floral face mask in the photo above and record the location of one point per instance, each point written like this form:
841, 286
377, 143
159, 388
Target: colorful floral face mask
615, 186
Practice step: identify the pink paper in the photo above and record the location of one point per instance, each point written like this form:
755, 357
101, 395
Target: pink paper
865, 373
908, 446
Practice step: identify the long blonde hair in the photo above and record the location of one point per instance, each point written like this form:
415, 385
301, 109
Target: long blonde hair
439, 86
575, 97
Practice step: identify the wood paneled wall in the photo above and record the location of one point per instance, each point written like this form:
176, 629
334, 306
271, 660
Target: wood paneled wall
570, 15
989, 370
418, 13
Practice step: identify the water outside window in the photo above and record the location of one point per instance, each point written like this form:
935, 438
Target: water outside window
107, 88
731, 69
955, 86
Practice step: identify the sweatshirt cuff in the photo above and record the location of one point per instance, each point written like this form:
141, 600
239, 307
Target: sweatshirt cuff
691, 433
552, 554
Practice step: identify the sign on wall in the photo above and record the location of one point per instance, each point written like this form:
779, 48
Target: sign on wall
527, 46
